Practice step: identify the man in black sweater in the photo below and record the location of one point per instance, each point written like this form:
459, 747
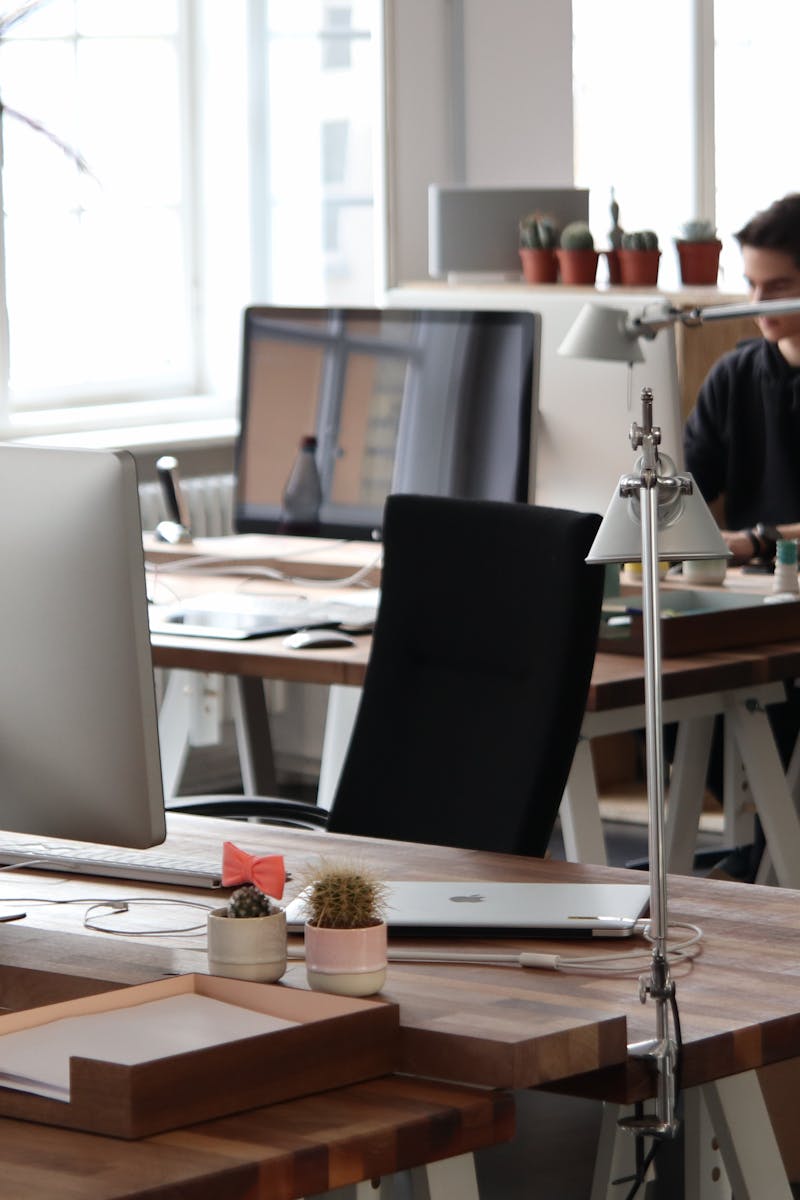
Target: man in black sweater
742, 442
742, 439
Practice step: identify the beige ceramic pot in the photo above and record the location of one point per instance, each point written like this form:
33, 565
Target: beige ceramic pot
350, 962
252, 948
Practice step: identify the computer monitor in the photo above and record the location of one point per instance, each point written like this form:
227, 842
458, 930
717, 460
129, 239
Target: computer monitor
79, 751
437, 402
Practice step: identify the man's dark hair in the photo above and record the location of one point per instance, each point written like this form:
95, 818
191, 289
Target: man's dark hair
776, 228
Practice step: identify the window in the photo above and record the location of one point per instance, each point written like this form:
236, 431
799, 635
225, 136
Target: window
316, 73
232, 157
686, 108
96, 265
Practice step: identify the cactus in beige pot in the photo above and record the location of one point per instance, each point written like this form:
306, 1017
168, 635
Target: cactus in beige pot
247, 938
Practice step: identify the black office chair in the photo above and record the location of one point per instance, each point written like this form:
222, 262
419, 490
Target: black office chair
476, 684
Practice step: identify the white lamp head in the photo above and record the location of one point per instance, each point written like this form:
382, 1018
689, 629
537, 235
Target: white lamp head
602, 332
686, 528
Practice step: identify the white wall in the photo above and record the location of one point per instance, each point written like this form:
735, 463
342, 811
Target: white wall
479, 92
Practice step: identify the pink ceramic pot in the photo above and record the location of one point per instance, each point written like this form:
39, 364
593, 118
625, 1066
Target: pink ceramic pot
351, 962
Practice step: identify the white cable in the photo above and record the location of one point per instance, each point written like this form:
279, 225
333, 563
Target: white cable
217, 565
604, 964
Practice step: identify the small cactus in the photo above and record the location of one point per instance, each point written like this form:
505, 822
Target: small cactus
248, 901
577, 236
537, 232
698, 231
341, 896
643, 239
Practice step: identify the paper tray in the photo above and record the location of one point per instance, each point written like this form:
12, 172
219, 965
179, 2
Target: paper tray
336, 1041
694, 621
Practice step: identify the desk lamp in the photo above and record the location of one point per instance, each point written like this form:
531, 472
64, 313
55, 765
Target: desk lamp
655, 514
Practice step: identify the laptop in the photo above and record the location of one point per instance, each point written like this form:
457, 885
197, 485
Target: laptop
477, 908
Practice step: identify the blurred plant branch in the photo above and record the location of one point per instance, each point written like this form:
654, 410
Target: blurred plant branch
7, 22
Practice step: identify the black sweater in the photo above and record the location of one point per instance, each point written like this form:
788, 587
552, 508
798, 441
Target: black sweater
743, 437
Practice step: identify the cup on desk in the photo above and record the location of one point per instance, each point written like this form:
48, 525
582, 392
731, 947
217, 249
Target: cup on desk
707, 570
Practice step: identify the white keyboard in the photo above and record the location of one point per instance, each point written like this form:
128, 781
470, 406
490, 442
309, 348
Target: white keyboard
76, 858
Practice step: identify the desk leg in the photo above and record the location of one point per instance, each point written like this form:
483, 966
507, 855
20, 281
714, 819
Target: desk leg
746, 1138
449, 1179
339, 720
686, 789
173, 731
581, 826
769, 787
253, 740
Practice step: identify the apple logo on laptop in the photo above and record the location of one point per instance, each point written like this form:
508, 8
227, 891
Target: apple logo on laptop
473, 898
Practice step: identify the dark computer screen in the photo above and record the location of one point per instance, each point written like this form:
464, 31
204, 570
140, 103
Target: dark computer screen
437, 402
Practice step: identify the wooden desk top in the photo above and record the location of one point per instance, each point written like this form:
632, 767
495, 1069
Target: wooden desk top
289, 1150
498, 1026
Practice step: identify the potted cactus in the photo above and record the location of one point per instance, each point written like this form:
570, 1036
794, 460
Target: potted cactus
639, 258
538, 238
345, 930
698, 252
247, 938
577, 257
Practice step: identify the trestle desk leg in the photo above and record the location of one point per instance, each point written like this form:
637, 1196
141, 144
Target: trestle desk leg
190, 714
686, 790
769, 787
449, 1179
704, 1169
581, 826
746, 1138
253, 738
342, 708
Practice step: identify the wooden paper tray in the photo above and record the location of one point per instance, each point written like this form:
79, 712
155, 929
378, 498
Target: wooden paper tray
336, 1041
694, 621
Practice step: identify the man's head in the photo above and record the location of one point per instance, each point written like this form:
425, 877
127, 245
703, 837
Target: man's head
770, 243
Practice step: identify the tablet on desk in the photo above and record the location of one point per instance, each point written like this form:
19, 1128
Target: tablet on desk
236, 615
477, 908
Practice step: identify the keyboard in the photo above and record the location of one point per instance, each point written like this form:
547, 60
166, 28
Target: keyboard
77, 858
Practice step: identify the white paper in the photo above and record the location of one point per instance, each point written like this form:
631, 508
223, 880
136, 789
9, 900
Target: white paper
37, 1060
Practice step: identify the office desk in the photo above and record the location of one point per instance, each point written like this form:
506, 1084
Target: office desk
738, 683
501, 1027
290, 1150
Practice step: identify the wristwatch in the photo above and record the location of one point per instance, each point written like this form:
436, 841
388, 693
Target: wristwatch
768, 538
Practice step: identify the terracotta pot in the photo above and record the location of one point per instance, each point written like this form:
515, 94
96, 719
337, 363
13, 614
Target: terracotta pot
251, 948
699, 261
578, 267
350, 962
539, 266
639, 268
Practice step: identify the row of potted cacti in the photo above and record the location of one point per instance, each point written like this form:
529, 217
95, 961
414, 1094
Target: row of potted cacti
548, 255
344, 934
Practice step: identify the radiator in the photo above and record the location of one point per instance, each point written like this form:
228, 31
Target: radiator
209, 499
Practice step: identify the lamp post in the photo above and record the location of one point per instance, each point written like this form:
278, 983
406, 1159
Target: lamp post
656, 514
652, 499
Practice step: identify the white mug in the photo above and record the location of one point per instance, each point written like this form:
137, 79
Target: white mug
705, 570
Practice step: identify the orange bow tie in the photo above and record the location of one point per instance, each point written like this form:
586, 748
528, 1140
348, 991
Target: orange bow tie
266, 872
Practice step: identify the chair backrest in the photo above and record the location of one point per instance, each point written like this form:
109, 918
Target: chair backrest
478, 676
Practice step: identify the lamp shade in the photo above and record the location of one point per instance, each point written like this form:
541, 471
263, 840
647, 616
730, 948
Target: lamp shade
602, 332
686, 528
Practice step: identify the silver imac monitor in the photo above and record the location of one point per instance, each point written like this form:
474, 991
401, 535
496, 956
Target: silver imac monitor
79, 757
432, 401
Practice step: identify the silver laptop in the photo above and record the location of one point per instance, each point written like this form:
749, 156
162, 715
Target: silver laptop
480, 909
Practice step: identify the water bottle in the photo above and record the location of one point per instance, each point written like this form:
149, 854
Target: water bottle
784, 580
302, 496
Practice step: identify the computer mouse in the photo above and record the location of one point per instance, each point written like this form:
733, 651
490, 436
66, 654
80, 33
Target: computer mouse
317, 639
